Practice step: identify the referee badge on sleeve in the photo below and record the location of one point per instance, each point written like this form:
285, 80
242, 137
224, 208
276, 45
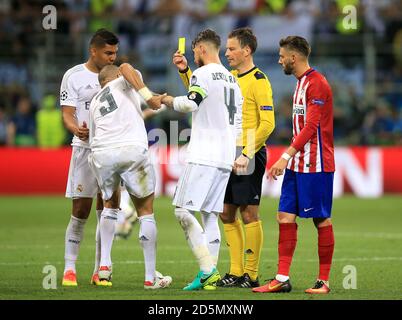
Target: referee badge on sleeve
266, 108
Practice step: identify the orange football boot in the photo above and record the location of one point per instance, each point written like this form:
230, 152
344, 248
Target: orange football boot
320, 286
69, 279
95, 279
274, 285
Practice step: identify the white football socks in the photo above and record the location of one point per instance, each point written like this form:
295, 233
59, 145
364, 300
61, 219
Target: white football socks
97, 241
212, 233
74, 235
196, 239
281, 277
147, 237
107, 229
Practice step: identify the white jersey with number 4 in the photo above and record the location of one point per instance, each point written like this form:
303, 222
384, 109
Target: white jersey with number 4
78, 87
116, 117
217, 122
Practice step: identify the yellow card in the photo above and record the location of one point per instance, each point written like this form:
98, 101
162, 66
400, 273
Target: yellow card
182, 45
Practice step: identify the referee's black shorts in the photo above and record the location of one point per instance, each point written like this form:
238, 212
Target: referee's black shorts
246, 189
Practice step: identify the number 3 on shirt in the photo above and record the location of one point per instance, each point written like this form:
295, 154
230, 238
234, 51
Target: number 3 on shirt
230, 103
108, 97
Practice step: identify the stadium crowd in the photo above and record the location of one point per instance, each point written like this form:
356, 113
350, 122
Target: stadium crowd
28, 118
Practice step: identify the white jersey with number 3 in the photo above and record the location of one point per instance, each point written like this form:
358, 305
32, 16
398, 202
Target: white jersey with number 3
116, 117
217, 122
78, 87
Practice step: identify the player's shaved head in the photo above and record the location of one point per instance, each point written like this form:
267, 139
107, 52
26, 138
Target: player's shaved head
108, 73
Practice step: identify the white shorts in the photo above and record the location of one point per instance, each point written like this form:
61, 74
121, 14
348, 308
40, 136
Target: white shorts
201, 188
81, 182
130, 164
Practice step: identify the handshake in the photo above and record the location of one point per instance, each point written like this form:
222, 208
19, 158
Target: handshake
156, 101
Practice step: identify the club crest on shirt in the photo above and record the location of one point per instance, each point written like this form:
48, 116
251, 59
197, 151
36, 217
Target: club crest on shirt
80, 188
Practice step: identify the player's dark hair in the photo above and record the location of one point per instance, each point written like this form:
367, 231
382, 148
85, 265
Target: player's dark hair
103, 37
296, 43
207, 35
246, 37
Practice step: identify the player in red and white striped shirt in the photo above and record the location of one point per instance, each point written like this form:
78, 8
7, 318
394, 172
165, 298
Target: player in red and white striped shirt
309, 167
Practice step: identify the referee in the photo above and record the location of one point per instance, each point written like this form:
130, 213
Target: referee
244, 237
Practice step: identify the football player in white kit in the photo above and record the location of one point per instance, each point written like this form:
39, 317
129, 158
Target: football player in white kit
119, 145
127, 216
78, 87
215, 100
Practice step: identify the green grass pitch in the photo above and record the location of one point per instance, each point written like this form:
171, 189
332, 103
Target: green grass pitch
368, 235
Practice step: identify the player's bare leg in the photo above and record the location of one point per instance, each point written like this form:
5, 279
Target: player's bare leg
74, 235
286, 247
326, 245
147, 236
235, 240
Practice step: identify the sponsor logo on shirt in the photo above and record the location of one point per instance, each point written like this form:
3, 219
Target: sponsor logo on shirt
298, 109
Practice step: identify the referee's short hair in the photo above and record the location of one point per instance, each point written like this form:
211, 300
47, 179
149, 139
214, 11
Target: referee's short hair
296, 43
246, 37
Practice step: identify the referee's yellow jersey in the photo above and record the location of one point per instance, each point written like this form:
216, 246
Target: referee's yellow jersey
258, 108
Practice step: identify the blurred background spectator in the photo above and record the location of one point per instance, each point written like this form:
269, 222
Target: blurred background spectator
50, 129
363, 64
22, 127
3, 126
